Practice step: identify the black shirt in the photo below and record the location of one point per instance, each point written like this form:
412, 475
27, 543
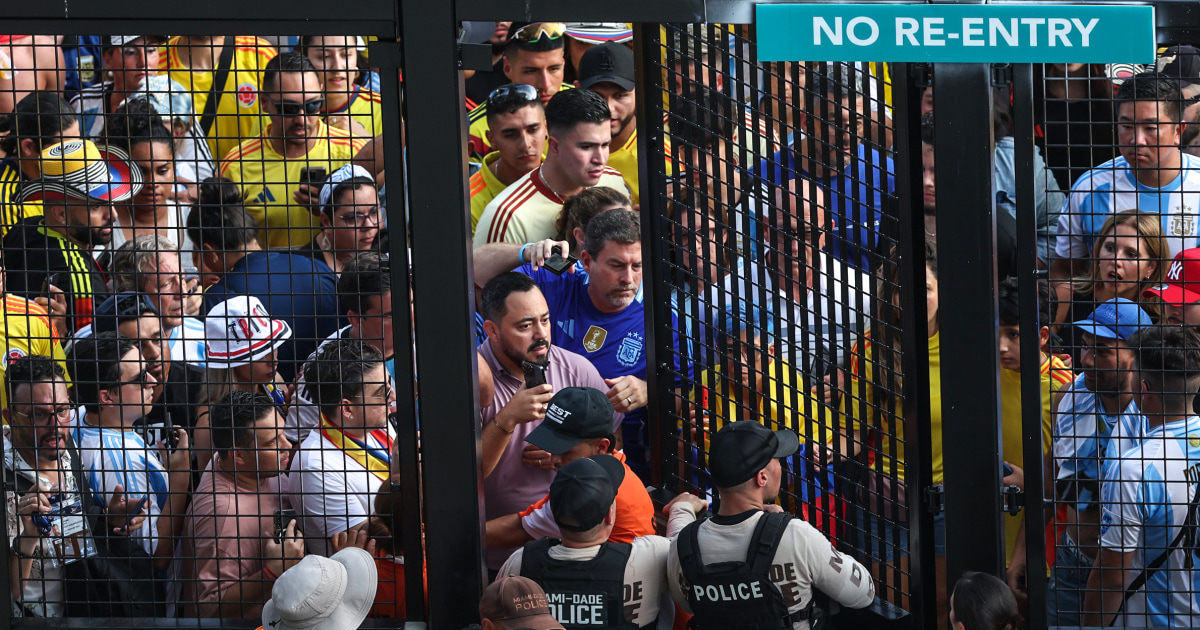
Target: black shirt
34, 253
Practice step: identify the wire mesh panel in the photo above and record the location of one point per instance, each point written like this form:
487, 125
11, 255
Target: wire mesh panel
198, 319
779, 255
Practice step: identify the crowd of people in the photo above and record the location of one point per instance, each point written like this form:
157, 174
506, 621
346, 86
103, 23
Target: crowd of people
199, 394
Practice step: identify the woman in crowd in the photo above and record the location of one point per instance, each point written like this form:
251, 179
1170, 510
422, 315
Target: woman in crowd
982, 602
242, 343
350, 218
580, 209
348, 105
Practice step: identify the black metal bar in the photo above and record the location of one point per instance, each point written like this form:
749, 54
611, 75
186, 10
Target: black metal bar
967, 278
918, 453
383, 28
386, 56
444, 299
653, 195
1031, 386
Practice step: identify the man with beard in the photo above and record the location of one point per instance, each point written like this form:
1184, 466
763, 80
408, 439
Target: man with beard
78, 186
608, 70
1096, 421
517, 322
599, 313
268, 167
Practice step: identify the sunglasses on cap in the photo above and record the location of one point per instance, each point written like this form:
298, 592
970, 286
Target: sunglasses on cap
288, 109
133, 305
517, 91
531, 33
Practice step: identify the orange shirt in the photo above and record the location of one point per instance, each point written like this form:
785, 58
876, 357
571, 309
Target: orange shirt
635, 510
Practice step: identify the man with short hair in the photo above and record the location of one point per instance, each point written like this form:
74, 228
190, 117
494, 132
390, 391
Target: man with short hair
533, 56
1096, 420
230, 555
598, 313
608, 70
39, 460
579, 124
578, 424
268, 167
517, 132
515, 602
519, 329
56, 249
129, 60
787, 557
622, 584
115, 387
150, 264
365, 293
340, 466
297, 289
1144, 574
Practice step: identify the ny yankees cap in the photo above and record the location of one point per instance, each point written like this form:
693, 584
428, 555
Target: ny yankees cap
1117, 318
519, 602
574, 414
1183, 280
741, 449
607, 63
583, 491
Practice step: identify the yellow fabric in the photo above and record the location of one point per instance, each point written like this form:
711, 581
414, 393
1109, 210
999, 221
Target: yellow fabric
625, 159
376, 466
479, 126
13, 213
25, 330
782, 393
268, 181
484, 187
239, 113
1054, 376
365, 107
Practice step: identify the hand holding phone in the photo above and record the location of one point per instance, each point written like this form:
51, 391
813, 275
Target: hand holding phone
535, 373
282, 518
558, 264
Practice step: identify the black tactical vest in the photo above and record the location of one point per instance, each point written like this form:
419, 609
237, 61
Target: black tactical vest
582, 594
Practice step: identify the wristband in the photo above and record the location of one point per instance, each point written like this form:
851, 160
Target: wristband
268, 572
502, 429
521, 253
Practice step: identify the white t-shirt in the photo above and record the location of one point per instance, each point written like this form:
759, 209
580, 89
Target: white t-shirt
303, 416
805, 559
645, 571
329, 490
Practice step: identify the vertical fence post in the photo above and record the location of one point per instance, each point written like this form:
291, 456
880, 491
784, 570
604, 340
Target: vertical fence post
444, 301
968, 318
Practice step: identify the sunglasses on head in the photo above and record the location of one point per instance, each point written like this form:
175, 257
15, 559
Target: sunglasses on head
134, 306
525, 93
531, 33
288, 109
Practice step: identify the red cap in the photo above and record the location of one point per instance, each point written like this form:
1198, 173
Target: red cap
1183, 280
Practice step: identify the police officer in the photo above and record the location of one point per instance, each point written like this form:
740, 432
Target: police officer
751, 565
590, 582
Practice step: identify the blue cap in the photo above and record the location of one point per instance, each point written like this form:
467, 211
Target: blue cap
1117, 318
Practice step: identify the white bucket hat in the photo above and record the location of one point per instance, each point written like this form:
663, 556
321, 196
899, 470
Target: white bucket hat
240, 330
319, 593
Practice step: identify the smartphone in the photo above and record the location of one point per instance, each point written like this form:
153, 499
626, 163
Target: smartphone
312, 175
535, 374
1008, 470
137, 509
557, 264
282, 518
60, 279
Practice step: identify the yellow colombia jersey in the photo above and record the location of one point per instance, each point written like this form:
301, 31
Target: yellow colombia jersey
479, 125
625, 159
364, 107
1055, 375
484, 188
777, 408
12, 213
25, 329
268, 182
239, 111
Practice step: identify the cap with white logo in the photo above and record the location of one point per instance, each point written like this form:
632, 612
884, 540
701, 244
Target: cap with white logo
574, 414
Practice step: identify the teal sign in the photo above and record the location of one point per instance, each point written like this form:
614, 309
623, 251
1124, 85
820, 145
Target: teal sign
977, 33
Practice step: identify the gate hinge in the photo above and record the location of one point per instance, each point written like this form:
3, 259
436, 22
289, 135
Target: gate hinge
1002, 74
921, 74
935, 499
1012, 499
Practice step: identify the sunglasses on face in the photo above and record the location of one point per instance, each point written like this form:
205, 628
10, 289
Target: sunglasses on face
288, 109
141, 379
516, 92
531, 33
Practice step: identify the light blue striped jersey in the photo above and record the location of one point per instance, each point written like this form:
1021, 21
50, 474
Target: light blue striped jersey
1146, 500
186, 341
111, 457
1111, 188
1085, 437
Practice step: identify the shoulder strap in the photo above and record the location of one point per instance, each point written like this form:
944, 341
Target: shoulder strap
533, 558
218, 85
1188, 530
85, 491
765, 541
688, 548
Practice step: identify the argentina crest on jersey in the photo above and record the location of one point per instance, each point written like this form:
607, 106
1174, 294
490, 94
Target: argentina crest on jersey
629, 353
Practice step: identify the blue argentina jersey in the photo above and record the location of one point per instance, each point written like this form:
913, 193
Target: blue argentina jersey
111, 457
1145, 503
1085, 438
1111, 188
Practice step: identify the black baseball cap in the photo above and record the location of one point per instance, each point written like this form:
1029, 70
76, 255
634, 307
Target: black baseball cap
607, 63
583, 491
120, 308
1181, 63
574, 414
741, 449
